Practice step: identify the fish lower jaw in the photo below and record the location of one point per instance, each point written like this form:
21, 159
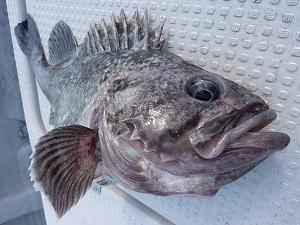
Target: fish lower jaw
261, 140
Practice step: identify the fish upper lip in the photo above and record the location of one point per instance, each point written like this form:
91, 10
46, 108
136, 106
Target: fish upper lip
236, 137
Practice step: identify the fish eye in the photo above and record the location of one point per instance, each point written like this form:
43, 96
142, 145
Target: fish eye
202, 89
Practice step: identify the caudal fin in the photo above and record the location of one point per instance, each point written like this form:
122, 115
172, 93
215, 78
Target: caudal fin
28, 38
63, 165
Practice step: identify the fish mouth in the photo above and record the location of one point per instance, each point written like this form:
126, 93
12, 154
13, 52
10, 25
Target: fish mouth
238, 133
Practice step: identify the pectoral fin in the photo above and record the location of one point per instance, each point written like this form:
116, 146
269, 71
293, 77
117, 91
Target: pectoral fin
63, 165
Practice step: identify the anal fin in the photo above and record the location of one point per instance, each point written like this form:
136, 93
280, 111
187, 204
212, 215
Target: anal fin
63, 165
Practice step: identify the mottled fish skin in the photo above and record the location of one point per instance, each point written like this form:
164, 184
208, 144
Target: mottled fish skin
151, 121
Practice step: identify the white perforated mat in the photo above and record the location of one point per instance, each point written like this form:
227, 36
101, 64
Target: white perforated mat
253, 42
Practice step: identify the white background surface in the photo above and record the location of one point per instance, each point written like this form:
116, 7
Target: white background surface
255, 43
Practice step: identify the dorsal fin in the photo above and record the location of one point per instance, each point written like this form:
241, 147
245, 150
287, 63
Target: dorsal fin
120, 34
62, 44
117, 35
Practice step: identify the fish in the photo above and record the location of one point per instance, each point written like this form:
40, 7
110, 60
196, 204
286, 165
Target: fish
139, 116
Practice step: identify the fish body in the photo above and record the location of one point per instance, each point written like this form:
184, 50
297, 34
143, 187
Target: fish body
142, 117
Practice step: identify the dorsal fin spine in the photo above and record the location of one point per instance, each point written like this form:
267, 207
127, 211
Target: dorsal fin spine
160, 44
154, 36
135, 30
92, 42
104, 36
97, 36
114, 38
97, 42
87, 45
124, 34
132, 26
143, 31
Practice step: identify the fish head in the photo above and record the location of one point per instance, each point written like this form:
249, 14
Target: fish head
189, 122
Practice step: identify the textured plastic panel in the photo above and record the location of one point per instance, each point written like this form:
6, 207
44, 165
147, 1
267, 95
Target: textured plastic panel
253, 42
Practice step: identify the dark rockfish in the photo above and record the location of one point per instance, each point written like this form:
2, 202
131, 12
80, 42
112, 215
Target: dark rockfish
144, 118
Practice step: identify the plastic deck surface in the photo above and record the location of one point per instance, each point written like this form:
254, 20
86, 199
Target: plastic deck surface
253, 42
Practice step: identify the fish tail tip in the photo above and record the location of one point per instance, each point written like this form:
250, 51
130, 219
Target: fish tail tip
28, 37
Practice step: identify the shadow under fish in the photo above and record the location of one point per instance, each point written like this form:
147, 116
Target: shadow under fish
141, 117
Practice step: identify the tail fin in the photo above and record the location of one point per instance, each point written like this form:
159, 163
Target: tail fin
63, 165
28, 38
